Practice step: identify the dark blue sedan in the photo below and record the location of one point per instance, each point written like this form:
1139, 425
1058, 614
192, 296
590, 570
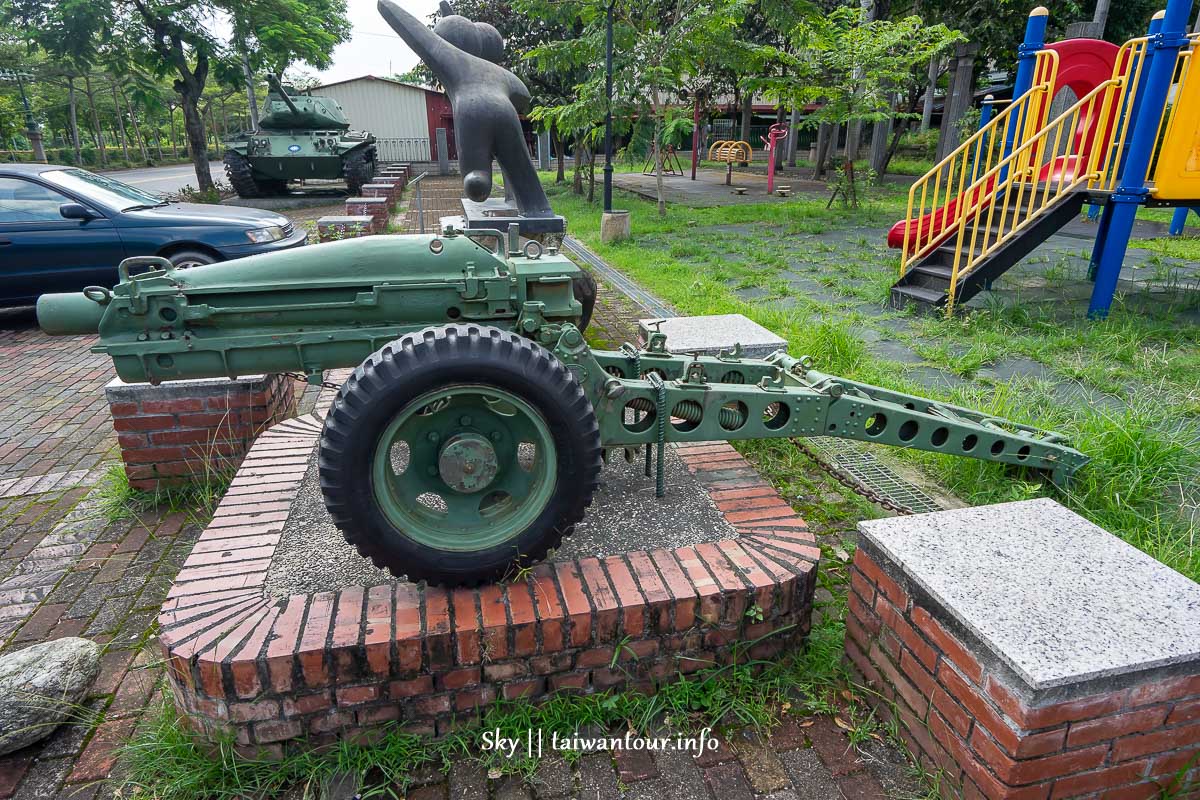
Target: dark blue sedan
63, 228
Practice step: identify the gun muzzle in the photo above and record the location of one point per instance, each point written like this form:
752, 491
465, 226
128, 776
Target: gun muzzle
71, 314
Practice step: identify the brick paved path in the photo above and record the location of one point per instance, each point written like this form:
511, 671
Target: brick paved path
55, 430
67, 570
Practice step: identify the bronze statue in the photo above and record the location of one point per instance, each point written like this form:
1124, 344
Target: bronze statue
486, 99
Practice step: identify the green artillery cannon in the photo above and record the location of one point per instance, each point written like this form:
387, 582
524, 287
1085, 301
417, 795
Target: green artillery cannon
472, 433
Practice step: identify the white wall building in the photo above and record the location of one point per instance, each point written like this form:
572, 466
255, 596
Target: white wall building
402, 116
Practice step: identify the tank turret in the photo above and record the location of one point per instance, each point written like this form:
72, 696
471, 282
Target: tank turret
299, 137
286, 111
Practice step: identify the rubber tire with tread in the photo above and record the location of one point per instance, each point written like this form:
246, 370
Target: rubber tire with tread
434, 358
184, 256
358, 168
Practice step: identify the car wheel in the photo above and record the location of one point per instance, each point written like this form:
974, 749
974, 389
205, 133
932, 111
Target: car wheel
185, 259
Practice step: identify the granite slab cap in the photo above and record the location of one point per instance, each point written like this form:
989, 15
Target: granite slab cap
709, 335
1056, 599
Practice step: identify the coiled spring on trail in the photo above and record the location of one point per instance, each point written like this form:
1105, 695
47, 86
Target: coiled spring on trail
730, 417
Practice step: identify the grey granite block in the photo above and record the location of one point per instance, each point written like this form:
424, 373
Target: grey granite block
1056, 599
712, 334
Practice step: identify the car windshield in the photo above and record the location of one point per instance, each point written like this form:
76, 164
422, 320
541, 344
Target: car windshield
101, 189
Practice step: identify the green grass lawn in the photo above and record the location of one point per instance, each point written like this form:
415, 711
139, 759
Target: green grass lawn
1141, 484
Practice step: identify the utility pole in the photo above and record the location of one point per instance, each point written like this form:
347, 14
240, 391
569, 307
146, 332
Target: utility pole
31, 127
608, 81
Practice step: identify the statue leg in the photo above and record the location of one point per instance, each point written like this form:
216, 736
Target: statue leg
474, 157
517, 164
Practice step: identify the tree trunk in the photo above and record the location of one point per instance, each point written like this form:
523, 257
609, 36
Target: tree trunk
97, 131
73, 114
793, 135
174, 132
826, 141
591, 174
197, 137
158, 142
577, 173
959, 98
778, 153
560, 147
120, 120
747, 116
935, 68
137, 129
880, 132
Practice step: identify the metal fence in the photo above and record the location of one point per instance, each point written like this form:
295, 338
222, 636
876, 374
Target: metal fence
403, 149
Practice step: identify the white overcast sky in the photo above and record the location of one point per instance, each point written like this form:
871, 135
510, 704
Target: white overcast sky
373, 48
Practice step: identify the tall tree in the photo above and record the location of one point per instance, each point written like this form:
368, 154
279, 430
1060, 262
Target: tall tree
850, 66
658, 45
178, 39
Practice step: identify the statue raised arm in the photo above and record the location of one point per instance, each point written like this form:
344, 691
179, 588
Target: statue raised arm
486, 99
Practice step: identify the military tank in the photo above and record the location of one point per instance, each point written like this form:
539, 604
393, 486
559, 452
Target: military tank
299, 137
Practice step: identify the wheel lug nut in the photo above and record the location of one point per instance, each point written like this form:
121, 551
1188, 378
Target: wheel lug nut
433, 437
464, 420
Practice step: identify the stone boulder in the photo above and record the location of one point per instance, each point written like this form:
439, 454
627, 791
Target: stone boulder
43, 686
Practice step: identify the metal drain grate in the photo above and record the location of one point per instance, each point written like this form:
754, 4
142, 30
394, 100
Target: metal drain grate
857, 461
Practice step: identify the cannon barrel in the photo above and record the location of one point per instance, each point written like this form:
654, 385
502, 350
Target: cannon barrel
73, 314
283, 95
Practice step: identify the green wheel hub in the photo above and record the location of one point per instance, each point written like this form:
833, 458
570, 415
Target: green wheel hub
465, 468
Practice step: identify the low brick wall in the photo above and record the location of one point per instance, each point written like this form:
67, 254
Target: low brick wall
179, 431
312, 668
387, 191
964, 713
374, 207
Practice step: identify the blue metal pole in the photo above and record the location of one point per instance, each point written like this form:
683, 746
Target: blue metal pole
1132, 108
1035, 40
981, 147
1163, 51
1179, 219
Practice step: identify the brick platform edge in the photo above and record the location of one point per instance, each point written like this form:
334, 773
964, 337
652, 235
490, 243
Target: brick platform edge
307, 670
965, 718
182, 430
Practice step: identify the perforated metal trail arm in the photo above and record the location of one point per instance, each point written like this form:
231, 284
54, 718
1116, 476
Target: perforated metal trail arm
787, 399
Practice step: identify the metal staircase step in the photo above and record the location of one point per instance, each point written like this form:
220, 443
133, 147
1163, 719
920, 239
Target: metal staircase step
904, 295
935, 271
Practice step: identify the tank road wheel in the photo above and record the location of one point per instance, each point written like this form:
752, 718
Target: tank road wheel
454, 453
359, 168
583, 286
241, 177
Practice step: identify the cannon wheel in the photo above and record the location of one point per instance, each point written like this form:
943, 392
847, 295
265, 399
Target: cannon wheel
457, 453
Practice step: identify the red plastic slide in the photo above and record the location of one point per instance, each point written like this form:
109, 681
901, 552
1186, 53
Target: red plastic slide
1083, 64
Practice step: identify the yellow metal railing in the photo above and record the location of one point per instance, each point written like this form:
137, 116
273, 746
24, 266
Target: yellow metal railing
941, 193
1059, 158
1128, 67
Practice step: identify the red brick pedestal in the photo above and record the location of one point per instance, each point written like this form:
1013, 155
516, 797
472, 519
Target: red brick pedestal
312, 668
179, 431
1082, 727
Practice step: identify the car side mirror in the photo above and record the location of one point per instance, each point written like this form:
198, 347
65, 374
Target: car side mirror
76, 211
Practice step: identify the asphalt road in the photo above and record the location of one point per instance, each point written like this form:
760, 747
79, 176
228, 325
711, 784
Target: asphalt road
165, 179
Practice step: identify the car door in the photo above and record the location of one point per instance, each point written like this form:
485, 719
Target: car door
41, 252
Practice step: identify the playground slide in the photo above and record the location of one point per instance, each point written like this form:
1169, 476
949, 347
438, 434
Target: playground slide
1083, 64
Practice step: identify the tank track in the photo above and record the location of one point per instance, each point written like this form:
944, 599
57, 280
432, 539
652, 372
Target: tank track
241, 177
359, 168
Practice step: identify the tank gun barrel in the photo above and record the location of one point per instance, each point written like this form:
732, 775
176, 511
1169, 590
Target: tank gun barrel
273, 82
